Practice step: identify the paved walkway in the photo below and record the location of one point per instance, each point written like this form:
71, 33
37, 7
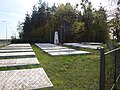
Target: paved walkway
24, 79
55, 50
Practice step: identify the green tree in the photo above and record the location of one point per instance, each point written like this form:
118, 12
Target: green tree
78, 30
65, 16
71, 24
115, 25
88, 20
20, 30
27, 28
100, 25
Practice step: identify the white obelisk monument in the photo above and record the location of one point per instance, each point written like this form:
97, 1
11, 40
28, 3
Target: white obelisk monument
56, 39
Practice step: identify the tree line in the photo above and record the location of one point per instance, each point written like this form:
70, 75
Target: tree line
72, 24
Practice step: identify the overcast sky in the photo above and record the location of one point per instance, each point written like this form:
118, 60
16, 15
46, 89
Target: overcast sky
12, 11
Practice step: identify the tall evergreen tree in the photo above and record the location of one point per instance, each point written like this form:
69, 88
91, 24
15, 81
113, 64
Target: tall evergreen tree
27, 28
71, 24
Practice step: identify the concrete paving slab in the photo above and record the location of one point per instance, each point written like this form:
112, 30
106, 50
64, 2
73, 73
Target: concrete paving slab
7, 47
83, 45
72, 44
18, 62
17, 54
45, 45
53, 48
17, 46
68, 53
25, 79
49, 47
91, 43
59, 50
20, 45
90, 46
15, 50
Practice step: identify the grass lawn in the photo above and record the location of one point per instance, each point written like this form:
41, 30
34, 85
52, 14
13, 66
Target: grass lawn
73, 72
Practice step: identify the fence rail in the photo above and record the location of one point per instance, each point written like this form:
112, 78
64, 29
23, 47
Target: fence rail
109, 68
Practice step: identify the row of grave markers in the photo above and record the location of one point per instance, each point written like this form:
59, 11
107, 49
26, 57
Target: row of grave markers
56, 50
89, 45
21, 55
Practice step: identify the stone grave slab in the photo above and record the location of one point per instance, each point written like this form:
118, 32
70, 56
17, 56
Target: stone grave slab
45, 44
47, 47
68, 53
15, 50
83, 45
17, 54
7, 47
89, 46
72, 44
25, 79
94, 43
18, 62
53, 48
91, 43
59, 50
20, 45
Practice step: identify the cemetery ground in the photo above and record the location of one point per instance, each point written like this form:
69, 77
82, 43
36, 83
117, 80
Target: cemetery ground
69, 72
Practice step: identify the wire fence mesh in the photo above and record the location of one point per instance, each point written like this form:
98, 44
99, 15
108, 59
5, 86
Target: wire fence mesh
112, 68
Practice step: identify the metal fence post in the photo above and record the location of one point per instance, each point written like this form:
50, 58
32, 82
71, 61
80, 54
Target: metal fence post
115, 67
102, 69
